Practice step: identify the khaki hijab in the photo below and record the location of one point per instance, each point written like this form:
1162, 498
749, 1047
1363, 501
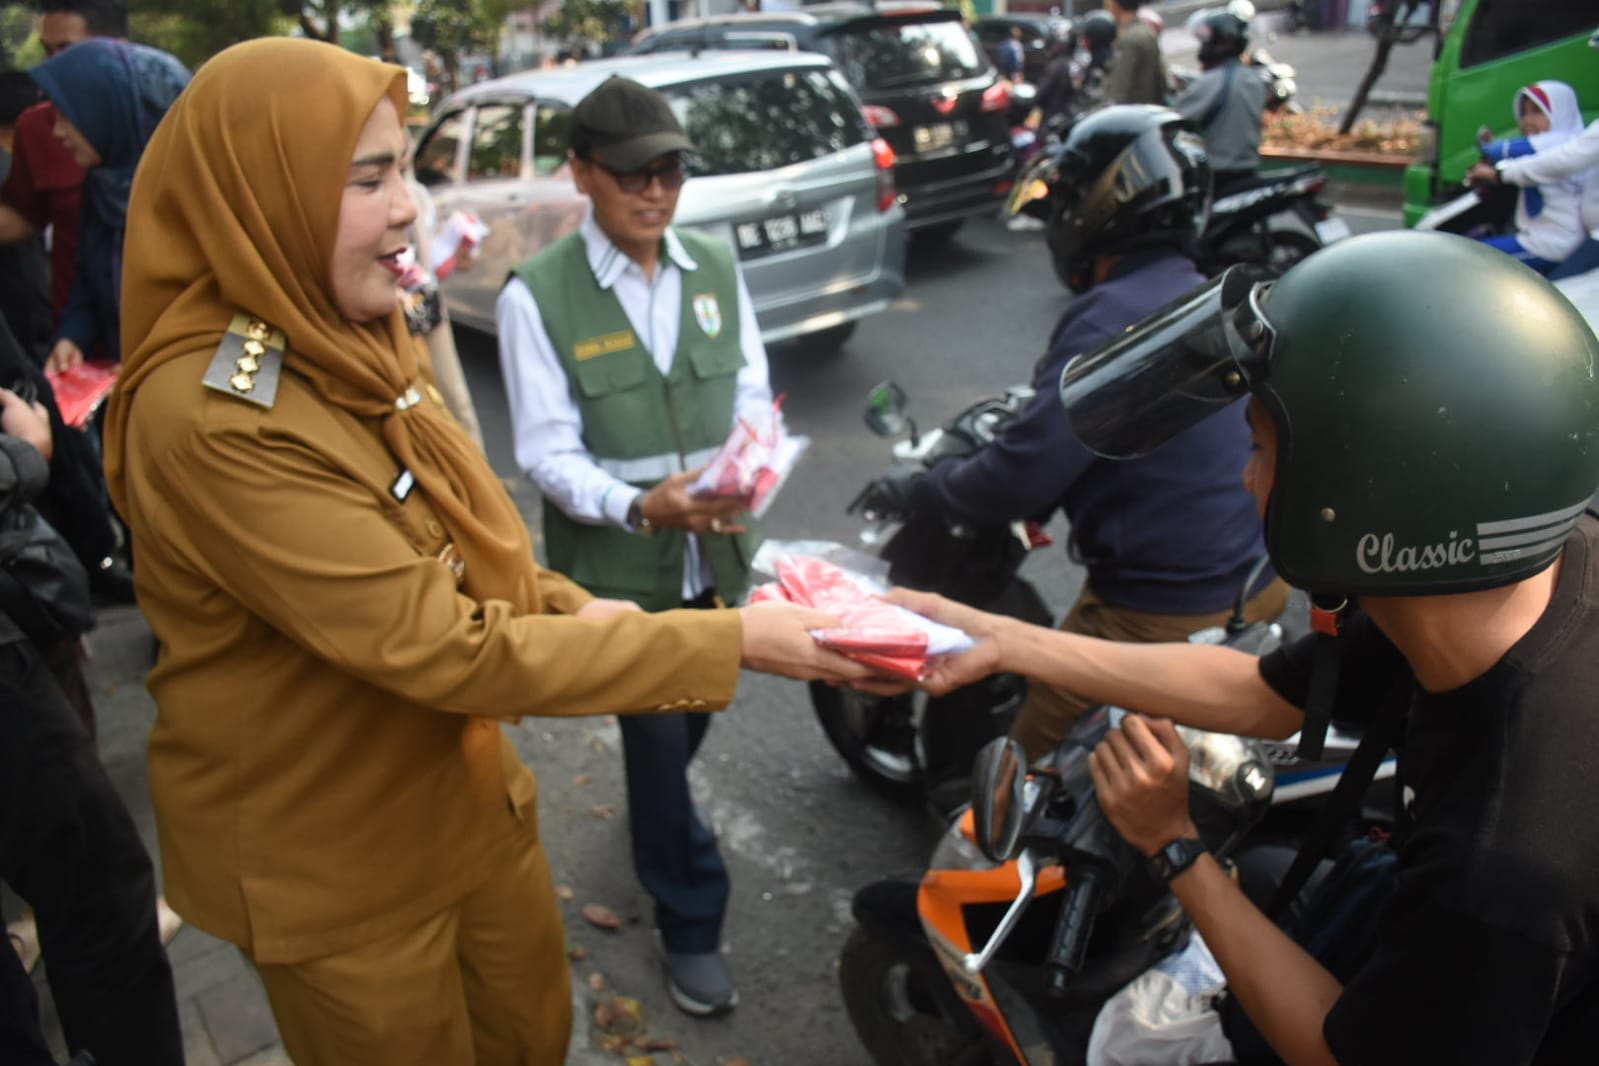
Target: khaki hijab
235, 209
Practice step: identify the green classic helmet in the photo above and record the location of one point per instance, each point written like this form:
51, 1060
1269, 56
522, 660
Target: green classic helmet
1435, 402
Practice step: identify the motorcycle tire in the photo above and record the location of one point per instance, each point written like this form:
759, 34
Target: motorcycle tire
875, 736
894, 995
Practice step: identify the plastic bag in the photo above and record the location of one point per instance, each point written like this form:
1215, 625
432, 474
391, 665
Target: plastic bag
462, 232
753, 462
81, 390
1166, 1016
880, 634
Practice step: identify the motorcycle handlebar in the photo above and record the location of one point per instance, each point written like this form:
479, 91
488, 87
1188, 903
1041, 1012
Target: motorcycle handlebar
1072, 930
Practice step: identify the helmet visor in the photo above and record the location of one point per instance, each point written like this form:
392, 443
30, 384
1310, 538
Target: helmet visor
1183, 363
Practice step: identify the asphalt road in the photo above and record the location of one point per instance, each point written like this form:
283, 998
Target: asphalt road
800, 835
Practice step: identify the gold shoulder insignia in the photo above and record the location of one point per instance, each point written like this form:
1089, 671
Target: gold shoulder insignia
248, 362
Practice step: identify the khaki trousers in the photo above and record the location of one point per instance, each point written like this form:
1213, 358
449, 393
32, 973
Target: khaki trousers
483, 983
1049, 712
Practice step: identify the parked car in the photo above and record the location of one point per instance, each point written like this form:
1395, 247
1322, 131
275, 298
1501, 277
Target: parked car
787, 172
928, 88
1039, 32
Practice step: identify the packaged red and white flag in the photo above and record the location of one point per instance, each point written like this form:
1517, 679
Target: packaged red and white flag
754, 460
873, 631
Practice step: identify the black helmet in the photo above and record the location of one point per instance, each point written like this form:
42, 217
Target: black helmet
1127, 177
1097, 30
1220, 33
1436, 408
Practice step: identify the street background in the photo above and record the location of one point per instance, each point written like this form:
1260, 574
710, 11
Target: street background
799, 834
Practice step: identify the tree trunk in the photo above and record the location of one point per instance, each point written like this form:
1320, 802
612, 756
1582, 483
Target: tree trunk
1379, 62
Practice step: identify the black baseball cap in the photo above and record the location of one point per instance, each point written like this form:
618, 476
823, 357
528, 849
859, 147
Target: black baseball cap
628, 124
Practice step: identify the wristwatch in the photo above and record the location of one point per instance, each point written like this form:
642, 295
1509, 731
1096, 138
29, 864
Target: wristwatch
636, 519
1176, 857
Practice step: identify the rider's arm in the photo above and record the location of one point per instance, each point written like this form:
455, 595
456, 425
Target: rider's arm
1201, 685
1557, 164
1201, 95
1286, 993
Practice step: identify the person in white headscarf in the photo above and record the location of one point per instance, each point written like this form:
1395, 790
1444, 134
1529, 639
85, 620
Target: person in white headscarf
1548, 216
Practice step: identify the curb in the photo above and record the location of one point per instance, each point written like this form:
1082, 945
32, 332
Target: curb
1353, 168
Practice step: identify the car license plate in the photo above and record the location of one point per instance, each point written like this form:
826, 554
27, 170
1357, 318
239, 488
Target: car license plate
781, 232
938, 136
1332, 229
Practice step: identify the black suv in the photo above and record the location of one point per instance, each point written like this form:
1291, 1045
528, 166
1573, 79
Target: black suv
924, 82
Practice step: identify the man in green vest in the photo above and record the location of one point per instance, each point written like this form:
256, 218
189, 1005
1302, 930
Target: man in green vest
628, 348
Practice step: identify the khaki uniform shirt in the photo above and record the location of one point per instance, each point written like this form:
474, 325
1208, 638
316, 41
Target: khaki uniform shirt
327, 764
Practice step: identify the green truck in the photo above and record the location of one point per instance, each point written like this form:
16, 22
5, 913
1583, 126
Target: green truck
1488, 49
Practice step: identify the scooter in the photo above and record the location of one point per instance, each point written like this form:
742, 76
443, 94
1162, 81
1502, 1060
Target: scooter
913, 747
1033, 910
1273, 220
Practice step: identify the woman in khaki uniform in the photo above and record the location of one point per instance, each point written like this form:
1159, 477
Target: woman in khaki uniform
345, 596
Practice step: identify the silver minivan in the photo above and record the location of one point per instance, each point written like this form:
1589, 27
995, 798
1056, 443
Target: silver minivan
787, 172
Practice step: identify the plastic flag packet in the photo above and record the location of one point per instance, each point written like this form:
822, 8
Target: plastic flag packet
880, 634
462, 232
81, 390
754, 460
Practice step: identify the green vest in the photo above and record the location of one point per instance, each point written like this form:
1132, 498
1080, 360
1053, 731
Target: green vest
639, 425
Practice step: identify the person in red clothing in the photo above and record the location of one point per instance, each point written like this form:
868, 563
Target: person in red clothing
42, 188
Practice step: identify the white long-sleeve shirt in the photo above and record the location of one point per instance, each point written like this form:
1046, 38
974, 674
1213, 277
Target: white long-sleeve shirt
546, 424
1576, 159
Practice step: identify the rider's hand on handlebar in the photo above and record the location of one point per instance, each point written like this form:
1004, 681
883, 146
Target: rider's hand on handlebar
1141, 774
894, 496
1482, 174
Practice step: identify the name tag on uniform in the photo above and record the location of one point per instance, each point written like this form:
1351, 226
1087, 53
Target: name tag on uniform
403, 485
619, 341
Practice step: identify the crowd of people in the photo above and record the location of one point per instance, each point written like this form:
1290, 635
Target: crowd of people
348, 607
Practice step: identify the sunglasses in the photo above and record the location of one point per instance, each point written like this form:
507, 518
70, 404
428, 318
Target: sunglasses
670, 174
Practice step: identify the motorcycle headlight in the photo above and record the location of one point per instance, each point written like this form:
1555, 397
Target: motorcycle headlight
956, 851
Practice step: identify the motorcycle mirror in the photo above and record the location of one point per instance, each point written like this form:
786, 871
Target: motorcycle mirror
997, 805
885, 410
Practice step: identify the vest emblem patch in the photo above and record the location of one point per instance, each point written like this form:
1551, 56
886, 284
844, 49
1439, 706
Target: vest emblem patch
708, 313
620, 341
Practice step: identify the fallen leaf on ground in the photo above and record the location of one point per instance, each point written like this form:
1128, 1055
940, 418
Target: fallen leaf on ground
596, 982
563, 892
657, 1043
600, 916
740, 1061
577, 952
580, 780
603, 810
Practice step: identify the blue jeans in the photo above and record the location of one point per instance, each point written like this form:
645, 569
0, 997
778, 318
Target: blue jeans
1584, 259
674, 851
1512, 247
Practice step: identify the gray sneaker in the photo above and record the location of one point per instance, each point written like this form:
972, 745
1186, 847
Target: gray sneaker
700, 984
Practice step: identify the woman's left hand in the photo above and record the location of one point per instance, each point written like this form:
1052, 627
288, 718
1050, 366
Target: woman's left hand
1141, 774
599, 608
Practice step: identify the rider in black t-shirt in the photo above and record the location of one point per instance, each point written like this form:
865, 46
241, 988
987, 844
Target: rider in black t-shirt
1426, 423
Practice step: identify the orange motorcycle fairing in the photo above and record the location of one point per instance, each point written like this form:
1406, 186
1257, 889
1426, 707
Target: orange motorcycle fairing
941, 902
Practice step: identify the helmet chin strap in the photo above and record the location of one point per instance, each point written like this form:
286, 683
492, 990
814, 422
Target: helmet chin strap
1326, 617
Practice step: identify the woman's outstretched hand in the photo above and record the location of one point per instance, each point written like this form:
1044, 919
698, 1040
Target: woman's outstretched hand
777, 640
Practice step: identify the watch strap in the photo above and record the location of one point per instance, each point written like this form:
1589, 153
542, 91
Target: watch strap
1176, 856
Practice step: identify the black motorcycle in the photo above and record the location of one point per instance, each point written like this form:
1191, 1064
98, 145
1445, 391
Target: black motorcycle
914, 747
